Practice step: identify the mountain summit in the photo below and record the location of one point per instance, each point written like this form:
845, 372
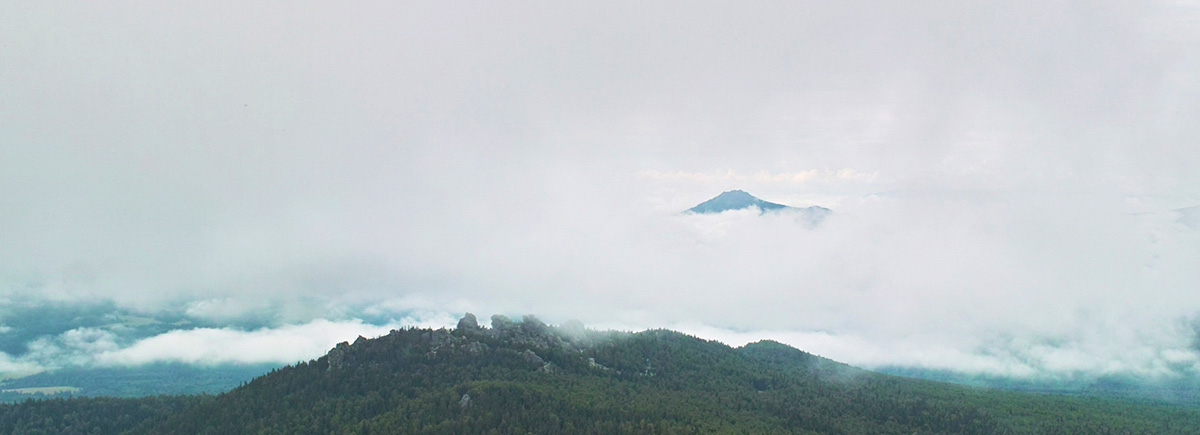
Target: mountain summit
734, 200
739, 199
524, 376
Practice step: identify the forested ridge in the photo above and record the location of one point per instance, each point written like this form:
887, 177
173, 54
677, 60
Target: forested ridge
529, 377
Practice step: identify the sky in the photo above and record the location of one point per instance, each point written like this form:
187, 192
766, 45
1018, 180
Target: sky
1012, 183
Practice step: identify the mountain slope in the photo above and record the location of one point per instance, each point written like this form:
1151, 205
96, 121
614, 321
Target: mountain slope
144, 380
530, 377
734, 200
91, 415
741, 200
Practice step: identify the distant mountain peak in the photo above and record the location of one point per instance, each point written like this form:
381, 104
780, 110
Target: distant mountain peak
734, 200
738, 199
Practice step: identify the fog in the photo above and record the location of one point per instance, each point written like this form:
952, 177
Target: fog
1010, 183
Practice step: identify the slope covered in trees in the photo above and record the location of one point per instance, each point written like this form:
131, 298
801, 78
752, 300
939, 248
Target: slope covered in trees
135, 381
529, 377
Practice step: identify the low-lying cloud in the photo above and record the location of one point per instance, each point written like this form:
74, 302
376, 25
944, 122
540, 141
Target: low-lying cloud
284, 345
1011, 184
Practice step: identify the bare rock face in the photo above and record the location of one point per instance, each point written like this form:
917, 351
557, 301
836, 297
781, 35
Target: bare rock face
593, 364
530, 331
437, 338
573, 328
468, 323
531, 325
532, 358
337, 357
502, 326
475, 348
465, 401
573, 332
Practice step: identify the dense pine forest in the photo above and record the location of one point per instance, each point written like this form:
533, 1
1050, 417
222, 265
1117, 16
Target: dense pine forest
529, 377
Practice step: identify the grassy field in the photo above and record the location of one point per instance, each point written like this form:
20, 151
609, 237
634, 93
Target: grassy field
42, 390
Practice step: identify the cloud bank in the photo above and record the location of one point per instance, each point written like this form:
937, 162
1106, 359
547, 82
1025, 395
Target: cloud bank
205, 346
1006, 178
287, 344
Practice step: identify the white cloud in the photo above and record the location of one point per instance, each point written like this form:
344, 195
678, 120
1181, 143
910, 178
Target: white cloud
1161, 355
16, 367
531, 158
284, 345
728, 176
74, 347
219, 309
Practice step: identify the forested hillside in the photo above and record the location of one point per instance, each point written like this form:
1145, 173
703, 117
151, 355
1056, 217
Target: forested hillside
529, 377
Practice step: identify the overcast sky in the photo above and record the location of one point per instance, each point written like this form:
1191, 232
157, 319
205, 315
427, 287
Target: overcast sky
1006, 177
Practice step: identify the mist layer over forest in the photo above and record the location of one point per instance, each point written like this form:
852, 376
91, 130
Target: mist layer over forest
1012, 186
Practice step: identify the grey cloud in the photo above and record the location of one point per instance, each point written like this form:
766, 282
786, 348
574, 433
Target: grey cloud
270, 165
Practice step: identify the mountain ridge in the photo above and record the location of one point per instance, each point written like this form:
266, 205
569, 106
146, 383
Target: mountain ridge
525, 376
734, 200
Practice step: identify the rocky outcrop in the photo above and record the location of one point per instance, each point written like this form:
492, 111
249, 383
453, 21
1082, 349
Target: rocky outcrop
337, 357
437, 338
475, 348
502, 325
593, 364
526, 338
468, 324
530, 331
573, 332
441, 339
532, 358
572, 329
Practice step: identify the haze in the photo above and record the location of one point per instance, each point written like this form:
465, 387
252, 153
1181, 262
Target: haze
1010, 181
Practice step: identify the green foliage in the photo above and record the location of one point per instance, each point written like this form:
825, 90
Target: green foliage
89, 415
530, 378
138, 381
1183, 391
